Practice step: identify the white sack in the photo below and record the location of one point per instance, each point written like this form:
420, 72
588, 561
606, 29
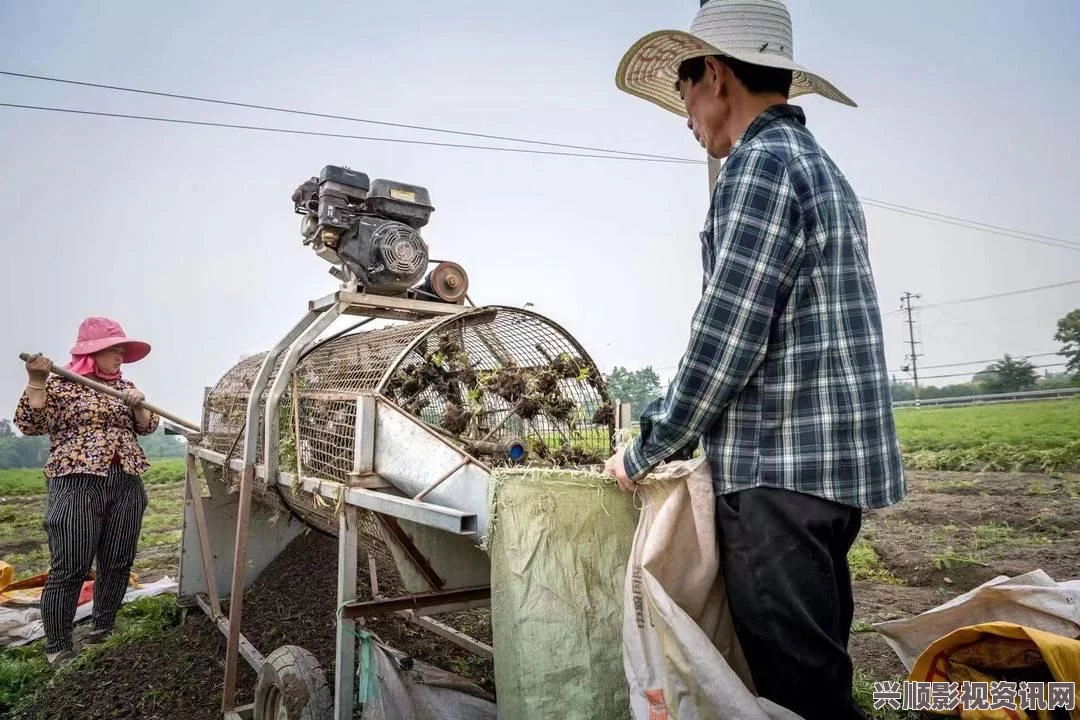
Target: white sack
680, 652
422, 692
1033, 600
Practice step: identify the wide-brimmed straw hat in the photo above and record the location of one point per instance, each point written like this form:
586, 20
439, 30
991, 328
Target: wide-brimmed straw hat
754, 31
98, 333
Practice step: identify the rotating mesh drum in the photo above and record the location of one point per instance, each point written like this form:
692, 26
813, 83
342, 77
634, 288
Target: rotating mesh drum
486, 374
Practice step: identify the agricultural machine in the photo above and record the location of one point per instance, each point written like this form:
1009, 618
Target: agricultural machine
384, 437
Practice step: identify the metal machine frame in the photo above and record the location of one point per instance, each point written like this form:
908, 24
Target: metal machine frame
203, 573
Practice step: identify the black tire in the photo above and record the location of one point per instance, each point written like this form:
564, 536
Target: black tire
292, 686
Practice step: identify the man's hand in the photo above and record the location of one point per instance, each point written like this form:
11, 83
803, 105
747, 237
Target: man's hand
617, 469
132, 397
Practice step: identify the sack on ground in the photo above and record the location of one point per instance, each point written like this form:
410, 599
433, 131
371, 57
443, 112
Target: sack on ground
681, 654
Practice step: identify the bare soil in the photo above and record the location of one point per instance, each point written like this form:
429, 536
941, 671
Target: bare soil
953, 532
292, 603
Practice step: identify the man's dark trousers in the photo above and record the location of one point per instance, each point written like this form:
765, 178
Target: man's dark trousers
784, 558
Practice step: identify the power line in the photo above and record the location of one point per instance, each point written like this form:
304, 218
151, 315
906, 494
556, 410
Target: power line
981, 362
974, 224
1017, 235
968, 374
291, 131
993, 296
348, 118
1004, 294
611, 154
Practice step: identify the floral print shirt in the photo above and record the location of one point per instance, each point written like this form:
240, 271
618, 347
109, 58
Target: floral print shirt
89, 431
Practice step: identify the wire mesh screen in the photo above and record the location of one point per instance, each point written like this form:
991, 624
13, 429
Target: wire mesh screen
225, 406
480, 378
501, 373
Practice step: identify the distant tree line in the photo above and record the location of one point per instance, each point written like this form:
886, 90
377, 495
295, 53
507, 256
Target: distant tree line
20, 451
1009, 374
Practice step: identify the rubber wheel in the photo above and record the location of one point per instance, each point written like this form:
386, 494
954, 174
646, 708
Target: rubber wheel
292, 686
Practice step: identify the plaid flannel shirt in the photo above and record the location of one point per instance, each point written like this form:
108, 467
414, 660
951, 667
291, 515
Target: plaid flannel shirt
784, 381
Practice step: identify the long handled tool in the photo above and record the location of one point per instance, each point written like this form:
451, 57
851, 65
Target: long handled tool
112, 392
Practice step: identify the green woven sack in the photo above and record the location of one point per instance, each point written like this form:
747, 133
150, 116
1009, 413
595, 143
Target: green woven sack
559, 542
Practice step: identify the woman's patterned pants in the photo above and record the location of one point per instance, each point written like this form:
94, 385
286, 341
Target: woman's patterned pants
88, 517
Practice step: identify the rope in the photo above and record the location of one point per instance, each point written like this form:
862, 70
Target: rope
367, 686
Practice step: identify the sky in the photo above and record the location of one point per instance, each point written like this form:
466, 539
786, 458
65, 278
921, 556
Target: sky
187, 237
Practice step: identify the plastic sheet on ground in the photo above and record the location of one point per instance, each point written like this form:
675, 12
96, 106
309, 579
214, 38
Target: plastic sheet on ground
417, 691
22, 625
682, 658
1032, 600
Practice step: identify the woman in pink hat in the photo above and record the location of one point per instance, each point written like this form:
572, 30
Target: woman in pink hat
96, 498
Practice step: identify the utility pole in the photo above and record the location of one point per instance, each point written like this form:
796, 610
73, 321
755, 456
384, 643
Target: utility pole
714, 164
905, 304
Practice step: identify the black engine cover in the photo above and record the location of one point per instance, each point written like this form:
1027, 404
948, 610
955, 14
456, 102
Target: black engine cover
387, 256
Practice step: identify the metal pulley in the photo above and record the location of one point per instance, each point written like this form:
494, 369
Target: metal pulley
447, 282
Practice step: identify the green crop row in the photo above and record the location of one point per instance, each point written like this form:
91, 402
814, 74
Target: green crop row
997, 457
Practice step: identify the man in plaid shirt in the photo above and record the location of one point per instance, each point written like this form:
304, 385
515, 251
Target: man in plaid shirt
784, 381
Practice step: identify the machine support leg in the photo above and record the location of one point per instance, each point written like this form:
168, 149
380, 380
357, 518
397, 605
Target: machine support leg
236, 596
195, 493
396, 534
345, 658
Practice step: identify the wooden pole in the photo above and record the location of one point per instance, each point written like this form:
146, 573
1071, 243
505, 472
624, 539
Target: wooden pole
236, 595
714, 164
112, 392
195, 494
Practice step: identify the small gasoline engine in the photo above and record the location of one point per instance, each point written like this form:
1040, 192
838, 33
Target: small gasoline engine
369, 230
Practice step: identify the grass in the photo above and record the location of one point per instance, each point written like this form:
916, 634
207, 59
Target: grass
24, 671
21, 481
865, 564
1039, 436
863, 691
23, 541
24, 482
1042, 425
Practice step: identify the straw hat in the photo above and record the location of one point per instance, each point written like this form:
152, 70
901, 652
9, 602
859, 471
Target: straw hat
98, 333
754, 31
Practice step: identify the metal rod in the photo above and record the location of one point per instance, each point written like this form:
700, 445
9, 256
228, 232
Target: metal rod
442, 597
296, 426
397, 533
236, 596
458, 638
289, 361
248, 651
440, 517
430, 430
467, 459
420, 495
112, 392
345, 653
195, 493
373, 575
513, 411
250, 430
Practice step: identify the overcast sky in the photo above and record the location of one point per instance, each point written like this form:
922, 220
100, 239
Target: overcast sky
186, 234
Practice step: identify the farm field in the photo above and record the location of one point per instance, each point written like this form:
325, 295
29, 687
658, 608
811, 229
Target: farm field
992, 490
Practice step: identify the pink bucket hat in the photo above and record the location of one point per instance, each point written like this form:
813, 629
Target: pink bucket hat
99, 333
